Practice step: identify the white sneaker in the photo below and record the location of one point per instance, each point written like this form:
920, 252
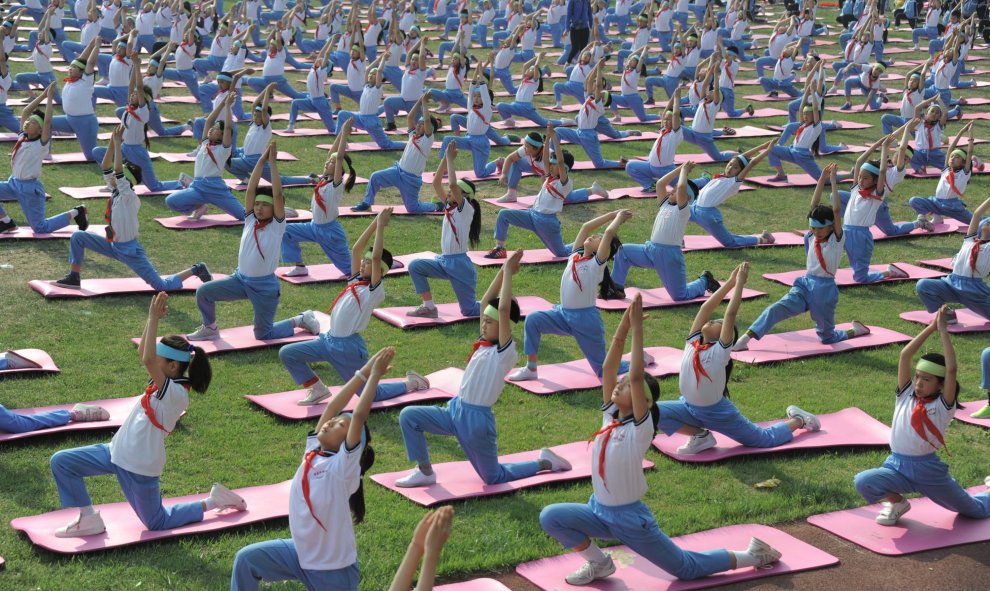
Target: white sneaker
597, 189
290, 129
568, 121
811, 422
986, 481
742, 343
764, 553
558, 105
510, 197
297, 271
15, 361
199, 212
291, 212
767, 238
424, 311
510, 122
416, 382
310, 322
204, 333
590, 572
523, 374
923, 223
891, 512
859, 329
224, 498
557, 463
84, 525
88, 413
416, 479
698, 443
648, 359
185, 180
316, 394
894, 272
937, 219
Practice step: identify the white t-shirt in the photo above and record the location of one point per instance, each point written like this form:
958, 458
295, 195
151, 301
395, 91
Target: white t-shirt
591, 111
124, 206
806, 135
479, 118
903, 438
699, 389
134, 120
256, 139
718, 190
26, 162
259, 259
831, 254
316, 80
862, 211
355, 74
952, 183
120, 71
353, 310
274, 63
456, 227
580, 292
211, 159
960, 262
412, 83
371, 99
550, 199
665, 147
415, 154
670, 224
332, 194
77, 96
139, 446
624, 482
42, 56
928, 137
484, 376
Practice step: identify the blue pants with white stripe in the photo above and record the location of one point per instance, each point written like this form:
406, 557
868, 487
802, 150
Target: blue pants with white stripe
138, 155
922, 159
859, 249
242, 165
143, 493
117, 94
373, 125
729, 102
722, 417
278, 560
209, 190
408, 184
710, 219
347, 355
187, 77
131, 253
588, 139
155, 122
668, 83
473, 426
570, 88
584, 324
451, 96
667, 260
30, 194
394, 105
480, 149
816, 295
928, 475
634, 525
205, 65
971, 292
952, 208
11, 422
456, 268
8, 120
263, 292
786, 86
205, 96
329, 236
545, 226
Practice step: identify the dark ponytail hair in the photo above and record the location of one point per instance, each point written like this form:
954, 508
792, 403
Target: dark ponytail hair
514, 312
606, 287
199, 372
539, 79
822, 214
474, 233
351, 175
356, 500
653, 386
728, 366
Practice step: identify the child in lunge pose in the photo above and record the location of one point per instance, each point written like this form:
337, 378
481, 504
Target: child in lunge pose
468, 416
923, 409
342, 344
616, 510
136, 454
706, 366
947, 201
815, 292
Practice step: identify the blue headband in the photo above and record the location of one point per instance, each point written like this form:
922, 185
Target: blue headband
225, 78
172, 353
816, 224
156, 63
534, 143
742, 160
870, 169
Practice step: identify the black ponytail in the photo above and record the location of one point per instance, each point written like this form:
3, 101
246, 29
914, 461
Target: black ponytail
199, 372
351, 175
654, 389
356, 500
474, 234
539, 78
729, 366
607, 287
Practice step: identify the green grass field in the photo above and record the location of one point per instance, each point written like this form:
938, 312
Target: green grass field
224, 438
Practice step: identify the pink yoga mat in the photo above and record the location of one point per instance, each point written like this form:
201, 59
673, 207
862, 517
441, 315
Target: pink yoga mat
92, 288
577, 375
925, 527
270, 501
635, 573
347, 212
967, 321
26, 233
764, 112
659, 298
241, 338
793, 180
118, 408
948, 227
850, 427
183, 157
964, 410
939, 263
458, 480
73, 157
537, 256
42, 361
786, 346
846, 125
528, 201
469, 174
97, 192
444, 384
474, 585
706, 242
450, 313
219, 220
329, 272
844, 276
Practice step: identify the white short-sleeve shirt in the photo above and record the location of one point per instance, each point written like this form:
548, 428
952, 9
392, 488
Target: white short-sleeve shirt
665, 147
353, 310
961, 262
624, 482
415, 154
550, 199
670, 223
484, 376
831, 253
139, 446
579, 282
697, 388
77, 96
952, 183
903, 438
456, 227
331, 194
259, 258
718, 190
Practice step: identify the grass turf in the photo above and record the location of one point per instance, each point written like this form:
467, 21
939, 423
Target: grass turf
223, 438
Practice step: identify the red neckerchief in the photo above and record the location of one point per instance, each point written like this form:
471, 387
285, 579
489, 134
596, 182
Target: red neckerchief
258, 225
209, 152
928, 130
800, 130
728, 72
352, 287
867, 194
626, 80
122, 59
536, 168
307, 465
150, 412
219, 92
416, 145
578, 258
317, 197
477, 111
607, 432
71, 79
548, 185
821, 257
481, 342
704, 111
453, 71
920, 422
133, 113
951, 177
699, 368
663, 134
974, 254
449, 216
588, 102
528, 80
272, 52
183, 46
907, 95
21, 138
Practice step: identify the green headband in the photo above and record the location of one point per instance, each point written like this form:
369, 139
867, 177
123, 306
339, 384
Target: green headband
371, 256
930, 367
264, 199
882, 67
492, 312
808, 109
465, 188
961, 153
37, 119
79, 64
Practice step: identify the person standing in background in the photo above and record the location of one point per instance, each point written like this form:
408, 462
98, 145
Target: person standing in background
579, 23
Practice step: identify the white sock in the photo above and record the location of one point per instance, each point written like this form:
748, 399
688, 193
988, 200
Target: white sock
5, 219
72, 212
743, 340
593, 554
429, 304
744, 559
297, 321
87, 510
209, 503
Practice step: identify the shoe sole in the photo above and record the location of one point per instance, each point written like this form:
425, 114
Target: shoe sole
67, 286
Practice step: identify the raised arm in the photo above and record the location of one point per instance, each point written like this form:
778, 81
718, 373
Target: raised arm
713, 302
905, 363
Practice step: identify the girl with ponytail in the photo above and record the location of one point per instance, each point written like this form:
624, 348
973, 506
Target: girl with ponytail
136, 454
322, 552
